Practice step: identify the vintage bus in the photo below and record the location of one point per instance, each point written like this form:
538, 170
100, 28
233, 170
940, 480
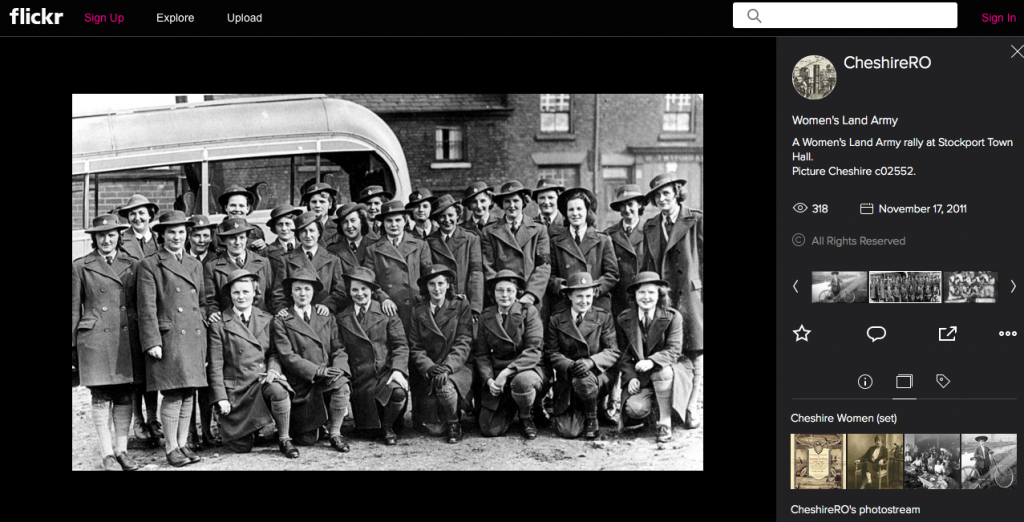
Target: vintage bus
184, 156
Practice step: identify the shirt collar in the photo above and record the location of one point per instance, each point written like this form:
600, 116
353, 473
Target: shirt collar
144, 237
243, 316
517, 222
400, 238
300, 311
312, 250
582, 229
172, 253
484, 219
434, 308
675, 215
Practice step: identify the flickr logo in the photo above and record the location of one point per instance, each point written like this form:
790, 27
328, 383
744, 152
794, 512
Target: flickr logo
26, 16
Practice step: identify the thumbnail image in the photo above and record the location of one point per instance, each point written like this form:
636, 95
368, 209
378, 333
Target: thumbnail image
816, 461
906, 287
875, 460
814, 77
970, 287
839, 287
988, 460
931, 462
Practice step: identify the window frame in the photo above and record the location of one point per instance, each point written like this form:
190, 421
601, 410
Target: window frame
568, 112
688, 110
463, 150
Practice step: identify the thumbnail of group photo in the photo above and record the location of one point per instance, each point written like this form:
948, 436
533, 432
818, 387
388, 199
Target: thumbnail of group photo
905, 287
839, 287
970, 287
932, 461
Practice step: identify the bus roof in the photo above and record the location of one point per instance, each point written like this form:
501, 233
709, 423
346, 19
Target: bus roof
242, 127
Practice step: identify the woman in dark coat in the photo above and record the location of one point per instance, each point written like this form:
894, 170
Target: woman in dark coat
378, 355
439, 345
172, 331
580, 347
282, 222
398, 259
454, 247
355, 232
233, 233
509, 358
628, 239
581, 248
651, 339
674, 248
248, 388
102, 284
309, 349
313, 256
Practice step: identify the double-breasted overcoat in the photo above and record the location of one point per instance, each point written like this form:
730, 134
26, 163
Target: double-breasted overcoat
594, 255
527, 253
443, 338
217, 272
328, 269
628, 248
376, 347
564, 344
462, 254
663, 345
680, 262
102, 298
397, 271
519, 345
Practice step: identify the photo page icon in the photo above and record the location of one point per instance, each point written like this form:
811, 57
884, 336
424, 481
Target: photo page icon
905, 380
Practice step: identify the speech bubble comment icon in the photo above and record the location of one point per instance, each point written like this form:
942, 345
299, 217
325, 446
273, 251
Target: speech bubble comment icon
877, 335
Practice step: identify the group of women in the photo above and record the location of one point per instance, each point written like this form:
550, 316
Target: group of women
389, 305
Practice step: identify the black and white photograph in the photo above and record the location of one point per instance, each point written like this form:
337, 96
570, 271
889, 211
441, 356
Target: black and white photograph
839, 287
814, 77
931, 461
388, 282
988, 460
906, 287
874, 460
970, 287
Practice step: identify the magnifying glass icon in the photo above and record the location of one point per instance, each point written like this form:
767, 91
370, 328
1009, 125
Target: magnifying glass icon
752, 14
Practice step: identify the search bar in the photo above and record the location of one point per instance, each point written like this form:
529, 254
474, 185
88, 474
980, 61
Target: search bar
828, 15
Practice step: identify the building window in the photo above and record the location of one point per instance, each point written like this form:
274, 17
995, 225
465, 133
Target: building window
449, 144
554, 113
678, 109
566, 176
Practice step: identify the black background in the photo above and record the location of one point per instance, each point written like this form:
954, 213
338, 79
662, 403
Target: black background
971, 91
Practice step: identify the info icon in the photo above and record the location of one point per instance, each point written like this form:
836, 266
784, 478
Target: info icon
814, 77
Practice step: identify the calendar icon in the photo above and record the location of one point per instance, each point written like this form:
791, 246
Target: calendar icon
867, 208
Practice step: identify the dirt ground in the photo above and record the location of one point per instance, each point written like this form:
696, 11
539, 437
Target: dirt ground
632, 450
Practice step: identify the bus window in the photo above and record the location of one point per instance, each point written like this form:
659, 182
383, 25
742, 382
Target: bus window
108, 191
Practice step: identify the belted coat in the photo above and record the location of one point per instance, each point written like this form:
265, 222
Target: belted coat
680, 262
376, 347
519, 346
564, 344
663, 345
593, 255
172, 316
462, 254
298, 350
102, 299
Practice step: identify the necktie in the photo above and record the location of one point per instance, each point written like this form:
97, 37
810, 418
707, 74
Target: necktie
305, 315
628, 230
435, 309
515, 228
447, 238
110, 260
579, 319
547, 221
361, 314
238, 261
395, 242
504, 317
352, 246
310, 256
245, 321
578, 239
645, 322
178, 255
290, 247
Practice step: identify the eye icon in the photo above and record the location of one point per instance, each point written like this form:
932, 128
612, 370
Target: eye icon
800, 208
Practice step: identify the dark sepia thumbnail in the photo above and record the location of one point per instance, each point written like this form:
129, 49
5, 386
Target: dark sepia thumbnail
970, 287
839, 287
905, 287
931, 462
816, 461
875, 460
988, 460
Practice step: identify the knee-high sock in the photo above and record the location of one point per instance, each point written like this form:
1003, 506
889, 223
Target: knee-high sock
282, 412
337, 411
394, 408
525, 403
101, 419
122, 424
663, 390
169, 413
447, 403
183, 418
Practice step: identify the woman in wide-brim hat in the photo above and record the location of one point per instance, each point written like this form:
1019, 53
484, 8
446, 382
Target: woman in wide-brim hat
282, 223
321, 198
511, 188
140, 214
102, 286
650, 337
579, 247
233, 233
237, 201
420, 206
627, 241
355, 235
439, 349
312, 255
579, 345
508, 355
478, 199
374, 196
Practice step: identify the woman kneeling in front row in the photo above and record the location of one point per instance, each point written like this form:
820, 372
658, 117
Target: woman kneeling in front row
243, 380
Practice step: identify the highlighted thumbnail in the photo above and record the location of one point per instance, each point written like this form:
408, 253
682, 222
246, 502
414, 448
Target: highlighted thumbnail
816, 461
875, 460
931, 462
839, 287
988, 460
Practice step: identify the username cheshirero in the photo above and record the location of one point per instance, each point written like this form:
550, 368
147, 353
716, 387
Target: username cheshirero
841, 241
890, 62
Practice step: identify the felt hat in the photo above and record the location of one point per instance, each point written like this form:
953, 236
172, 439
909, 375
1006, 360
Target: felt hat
980, 438
105, 223
473, 189
138, 200
232, 226
419, 196
391, 207
281, 211
433, 272
171, 218
627, 193
579, 281
563, 198
318, 187
645, 278
374, 191
548, 184
510, 188
201, 221
662, 180
347, 209
234, 190
835, 273
235, 275
441, 205
304, 220
363, 275
303, 274
507, 275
